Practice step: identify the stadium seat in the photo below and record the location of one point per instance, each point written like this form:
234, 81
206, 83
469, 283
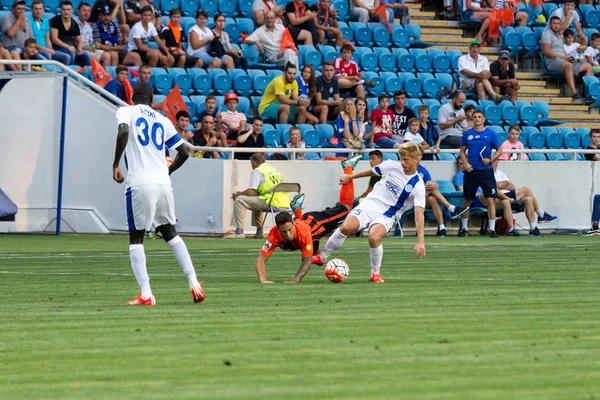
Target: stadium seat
246, 24
312, 138
591, 17
530, 41
242, 84
390, 156
413, 87
528, 115
502, 136
363, 36
326, 133
548, 9
222, 83
51, 6
347, 32
536, 157
511, 40
537, 140
555, 140
393, 84
414, 36
260, 83
162, 83
305, 127
272, 138
423, 63
312, 156
255, 103
251, 55
314, 58
342, 10
445, 80
556, 157
387, 62
542, 110
188, 8
496, 128
274, 73
185, 83
382, 37
547, 72
400, 38
446, 157
585, 138
203, 84
442, 63
406, 63
234, 31
573, 140
548, 129
228, 8
168, 5
510, 113
368, 62
381, 50
431, 88
330, 55
199, 100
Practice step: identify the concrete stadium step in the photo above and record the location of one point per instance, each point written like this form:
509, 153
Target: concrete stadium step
528, 75
549, 100
435, 23
590, 125
529, 83
578, 108
442, 31
445, 39
464, 49
422, 14
539, 92
576, 117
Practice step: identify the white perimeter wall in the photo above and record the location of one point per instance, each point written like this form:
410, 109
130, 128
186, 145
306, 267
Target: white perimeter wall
93, 202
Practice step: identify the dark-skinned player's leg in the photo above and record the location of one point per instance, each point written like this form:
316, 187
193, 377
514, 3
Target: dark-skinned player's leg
138, 265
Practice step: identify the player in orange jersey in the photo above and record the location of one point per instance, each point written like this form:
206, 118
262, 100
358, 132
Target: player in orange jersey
305, 232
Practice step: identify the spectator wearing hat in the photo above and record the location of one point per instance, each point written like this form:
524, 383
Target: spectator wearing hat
140, 35
116, 9
16, 29
109, 39
40, 27
172, 34
475, 73
557, 60
503, 76
231, 122
268, 39
66, 36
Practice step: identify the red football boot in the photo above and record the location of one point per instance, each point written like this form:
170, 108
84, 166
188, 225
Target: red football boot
316, 259
139, 301
198, 294
376, 278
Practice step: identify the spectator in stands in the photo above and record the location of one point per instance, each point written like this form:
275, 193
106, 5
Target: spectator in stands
401, 116
210, 108
595, 231
235, 54
476, 9
16, 29
523, 194
183, 122
268, 38
231, 122
116, 9
503, 77
592, 53
30, 50
117, 86
87, 35
172, 35
362, 113
252, 138
296, 142
513, 143
327, 23
429, 133
300, 17
256, 196
144, 75
66, 36
261, 7
207, 136
520, 17
469, 110
327, 95
413, 135
306, 91
475, 73
40, 27
280, 102
382, 119
451, 121
557, 61
108, 38
573, 49
400, 10
134, 9
346, 72
568, 17
347, 127
140, 35
594, 145
365, 10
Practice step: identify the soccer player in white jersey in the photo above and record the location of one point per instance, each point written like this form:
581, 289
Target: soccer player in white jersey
143, 135
400, 189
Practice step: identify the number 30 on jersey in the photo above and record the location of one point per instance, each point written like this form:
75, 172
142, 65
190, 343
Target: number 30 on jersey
157, 133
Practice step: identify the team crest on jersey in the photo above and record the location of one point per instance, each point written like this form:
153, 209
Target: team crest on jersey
392, 187
267, 246
408, 188
470, 137
288, 92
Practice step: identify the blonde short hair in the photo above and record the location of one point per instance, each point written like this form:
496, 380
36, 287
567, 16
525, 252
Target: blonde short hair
409, 150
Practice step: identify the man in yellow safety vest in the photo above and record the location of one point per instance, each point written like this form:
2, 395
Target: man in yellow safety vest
257, 197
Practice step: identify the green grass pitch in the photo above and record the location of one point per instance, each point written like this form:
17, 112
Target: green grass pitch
478, 318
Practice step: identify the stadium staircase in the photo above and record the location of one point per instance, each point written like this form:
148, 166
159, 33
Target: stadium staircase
449, 35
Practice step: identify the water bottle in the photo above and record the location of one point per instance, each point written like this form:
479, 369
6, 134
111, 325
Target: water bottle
211, 224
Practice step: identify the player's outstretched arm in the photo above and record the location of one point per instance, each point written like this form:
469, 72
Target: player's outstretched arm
122, 135
420, 225
261, 269
182, 156
363, 174
304, 268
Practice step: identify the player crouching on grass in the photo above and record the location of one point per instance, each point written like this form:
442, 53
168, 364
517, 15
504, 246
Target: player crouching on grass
400, 189
143, 134
305, 232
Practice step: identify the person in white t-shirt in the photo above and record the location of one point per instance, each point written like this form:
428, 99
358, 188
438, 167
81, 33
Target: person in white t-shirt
200, 38
365, 10
592, 53
400, 190
569, 18
573, 49
140, 35
475, 74
296, 142
143, 135
413, 135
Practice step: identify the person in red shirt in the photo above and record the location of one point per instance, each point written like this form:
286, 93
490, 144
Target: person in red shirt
305, 232
382, 118
346, 71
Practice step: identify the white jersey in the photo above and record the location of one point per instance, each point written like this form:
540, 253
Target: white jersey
149, 133
501, 177
397, 191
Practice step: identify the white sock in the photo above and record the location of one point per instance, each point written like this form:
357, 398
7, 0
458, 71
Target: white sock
375, 255
336, 240
511, 229
442, 226
492, 224
539, 212
451, 208
183, 258
464, 223
532, 225
138, 264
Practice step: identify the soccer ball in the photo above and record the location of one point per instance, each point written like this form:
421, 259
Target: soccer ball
336, 270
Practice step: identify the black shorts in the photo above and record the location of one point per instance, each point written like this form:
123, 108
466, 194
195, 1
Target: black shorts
483, 178
322, 223
350, 92
294, 32
511, 194
143, 55
190, 62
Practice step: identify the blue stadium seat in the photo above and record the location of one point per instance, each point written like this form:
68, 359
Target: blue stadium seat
272, 138
363, 36
442, 63
542, 110
413, 88
185, 83
193, 110
159, 98
312, 156
455, 63
274, 73
414, 36
393, 84
431, 88
423, 63
528, 115
537, 140
502, 136
330, 55
255, 103
199, 100
168, 5
390, 156
314, 58
557, 157
406, 63
591, 17
312, 138
379, 85
537, 157
162, 83
359, 51
203, 84
222, 83
260, 83
112, 71
368, 62
446, 157
493, 115
530, 41
445, 80
326, 133
510, 113
246, 25
555, 140
496, 128
52, 6
387, 62
548, 9
381, 50
347, 32
228, 8
188, 8
342, 10
400, 38
250, 53
382, 37
244, 105
511, 38
573, 140
242, 84
234, 31
548, 129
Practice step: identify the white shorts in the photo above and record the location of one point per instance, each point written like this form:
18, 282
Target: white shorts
149, 205
370, 212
